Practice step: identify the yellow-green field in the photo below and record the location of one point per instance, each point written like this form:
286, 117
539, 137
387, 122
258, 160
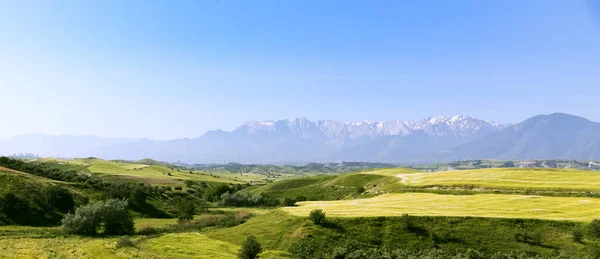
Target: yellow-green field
180, 245
514, 178
480, 205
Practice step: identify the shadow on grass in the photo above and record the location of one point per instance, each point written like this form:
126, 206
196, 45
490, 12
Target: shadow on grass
149, 210
419, 231
333, 226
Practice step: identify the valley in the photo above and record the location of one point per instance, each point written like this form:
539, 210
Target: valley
531, 212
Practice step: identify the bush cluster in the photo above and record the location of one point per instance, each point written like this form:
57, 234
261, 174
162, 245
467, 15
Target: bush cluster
245, 199
36, 207
317, 216
250, 249
112, 214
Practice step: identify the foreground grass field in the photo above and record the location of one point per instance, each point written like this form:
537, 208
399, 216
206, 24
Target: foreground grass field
180, 245
509, 178
480, 205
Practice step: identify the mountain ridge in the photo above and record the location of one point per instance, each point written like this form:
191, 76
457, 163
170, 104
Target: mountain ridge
429, 139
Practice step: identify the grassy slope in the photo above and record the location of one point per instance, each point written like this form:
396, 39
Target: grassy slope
336, 187
277, 230
155, 174
28, 185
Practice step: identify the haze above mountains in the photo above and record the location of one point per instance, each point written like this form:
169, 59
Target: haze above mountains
435, 139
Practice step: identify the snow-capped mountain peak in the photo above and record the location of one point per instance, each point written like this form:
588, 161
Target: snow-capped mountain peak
458, 126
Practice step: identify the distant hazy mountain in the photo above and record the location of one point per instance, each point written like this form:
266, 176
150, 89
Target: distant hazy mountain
554, 136
301, 140
294, 140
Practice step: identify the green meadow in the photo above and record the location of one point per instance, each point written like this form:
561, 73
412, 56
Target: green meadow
483, 213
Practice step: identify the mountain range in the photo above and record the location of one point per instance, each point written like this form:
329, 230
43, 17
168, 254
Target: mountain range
435, 139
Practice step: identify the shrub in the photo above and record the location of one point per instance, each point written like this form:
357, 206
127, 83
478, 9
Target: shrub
87, 219
15, 208
250, 249
178, 188
116, 217
59, 198
214, 192
125, 242
213, 220
360, 189
595, 228
242, 216
188, 183
147, 231
288, 202
186, 208
301, 198
406, 222
317, 216
245, 199
577, 234
305, 248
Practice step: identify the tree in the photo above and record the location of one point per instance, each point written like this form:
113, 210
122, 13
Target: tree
317, 216
250, 249
288, 202
59, 198
87, 219
214, 192
116, 217
301, 198
15, 208
186, 208
360, 189
508, 164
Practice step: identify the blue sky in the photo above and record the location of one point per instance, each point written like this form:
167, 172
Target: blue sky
171, 69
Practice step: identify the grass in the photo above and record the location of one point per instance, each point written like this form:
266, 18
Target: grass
189, 245
278, 231
509, 178
141, 223
480, 205
40, 242
275, 230
180, 245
